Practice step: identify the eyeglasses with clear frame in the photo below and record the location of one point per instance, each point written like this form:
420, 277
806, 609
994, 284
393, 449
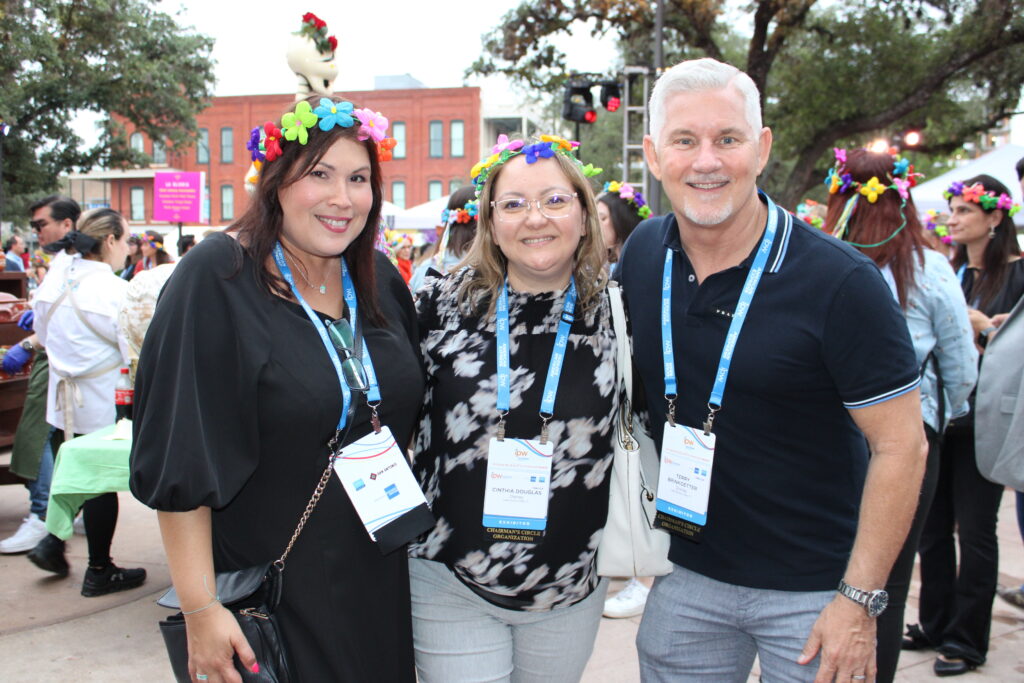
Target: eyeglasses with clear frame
554, 205
340, 332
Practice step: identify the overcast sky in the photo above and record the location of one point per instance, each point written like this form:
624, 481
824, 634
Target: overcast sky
432, 41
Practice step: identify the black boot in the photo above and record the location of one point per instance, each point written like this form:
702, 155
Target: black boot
49, 555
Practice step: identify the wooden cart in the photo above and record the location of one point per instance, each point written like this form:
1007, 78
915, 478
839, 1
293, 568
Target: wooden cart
14, 291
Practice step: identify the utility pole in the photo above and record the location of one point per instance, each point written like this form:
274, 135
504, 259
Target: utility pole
4, 128
654, 189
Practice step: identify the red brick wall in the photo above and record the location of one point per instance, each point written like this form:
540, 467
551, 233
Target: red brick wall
415, 107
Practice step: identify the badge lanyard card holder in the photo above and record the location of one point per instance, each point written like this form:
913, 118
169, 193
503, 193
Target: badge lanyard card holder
688, 453
373, 470
518, 483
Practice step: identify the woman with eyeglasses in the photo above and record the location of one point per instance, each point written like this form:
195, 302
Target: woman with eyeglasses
250, 378
515, 442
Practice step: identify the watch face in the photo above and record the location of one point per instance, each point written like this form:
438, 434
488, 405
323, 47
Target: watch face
877, 602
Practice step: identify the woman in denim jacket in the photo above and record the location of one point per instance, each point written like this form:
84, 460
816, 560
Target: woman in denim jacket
888, 231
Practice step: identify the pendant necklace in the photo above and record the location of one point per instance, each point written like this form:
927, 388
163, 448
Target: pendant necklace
323, 286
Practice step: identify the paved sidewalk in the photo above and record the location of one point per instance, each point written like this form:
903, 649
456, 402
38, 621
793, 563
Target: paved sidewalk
48, 632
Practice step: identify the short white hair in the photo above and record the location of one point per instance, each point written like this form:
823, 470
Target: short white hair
699, 75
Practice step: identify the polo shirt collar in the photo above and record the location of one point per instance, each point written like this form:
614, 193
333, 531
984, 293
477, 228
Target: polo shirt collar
776, 257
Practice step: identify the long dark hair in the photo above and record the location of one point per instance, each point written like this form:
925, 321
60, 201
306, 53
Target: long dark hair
872, 223
259, 228
1003, 245
624, 217
156, 240
460, 235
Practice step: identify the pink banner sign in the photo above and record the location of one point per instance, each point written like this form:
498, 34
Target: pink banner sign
178, 197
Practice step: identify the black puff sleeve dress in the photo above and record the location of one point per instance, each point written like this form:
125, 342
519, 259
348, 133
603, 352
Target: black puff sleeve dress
236, 399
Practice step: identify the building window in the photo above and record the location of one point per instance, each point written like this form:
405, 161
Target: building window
203, 147
227, 203
433, 190
159, 152
227, 146
398, 132
398, 194
436, 139
138, 200
454, 184
137, 143
458, 138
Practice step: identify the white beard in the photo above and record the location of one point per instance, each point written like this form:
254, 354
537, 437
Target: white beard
707, 215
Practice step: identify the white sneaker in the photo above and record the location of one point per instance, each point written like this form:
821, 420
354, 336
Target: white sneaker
79, 525
629, 602
31, 531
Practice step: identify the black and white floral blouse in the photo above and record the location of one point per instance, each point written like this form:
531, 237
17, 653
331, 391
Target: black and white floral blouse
460, 418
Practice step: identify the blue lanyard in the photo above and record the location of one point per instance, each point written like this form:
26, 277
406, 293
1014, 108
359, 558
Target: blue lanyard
373, 393
547, 406
961, 271
735, 327
286, 273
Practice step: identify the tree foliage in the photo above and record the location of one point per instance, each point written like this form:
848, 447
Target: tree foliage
113, 57
829, 74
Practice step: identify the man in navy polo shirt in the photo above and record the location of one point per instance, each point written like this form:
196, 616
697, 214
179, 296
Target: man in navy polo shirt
773, 358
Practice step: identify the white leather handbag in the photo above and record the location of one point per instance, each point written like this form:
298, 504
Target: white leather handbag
630, 545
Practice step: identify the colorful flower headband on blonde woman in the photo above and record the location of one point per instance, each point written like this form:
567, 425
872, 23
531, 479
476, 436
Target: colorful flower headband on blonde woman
265, 141
505, 149
900, 179
987, 200
629, 194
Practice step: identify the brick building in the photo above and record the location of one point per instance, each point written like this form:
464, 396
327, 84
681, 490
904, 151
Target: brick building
440, 134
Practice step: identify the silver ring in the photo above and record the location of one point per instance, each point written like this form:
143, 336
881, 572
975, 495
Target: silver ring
858, 678
202, 677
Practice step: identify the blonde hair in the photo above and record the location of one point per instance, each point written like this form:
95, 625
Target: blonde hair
490, 265
95, 225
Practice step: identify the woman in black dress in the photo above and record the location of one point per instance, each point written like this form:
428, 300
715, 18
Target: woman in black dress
237, 397
956, 601
505, 588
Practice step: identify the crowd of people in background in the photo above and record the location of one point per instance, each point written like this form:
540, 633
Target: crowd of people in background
843, 408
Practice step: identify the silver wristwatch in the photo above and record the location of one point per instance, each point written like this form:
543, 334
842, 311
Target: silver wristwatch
27, 345
874, 602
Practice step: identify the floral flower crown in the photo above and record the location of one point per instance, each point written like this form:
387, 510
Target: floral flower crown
902, 176
986, 200
463, 215
505, 149
931, 223
265, 141
315, 28
629, 194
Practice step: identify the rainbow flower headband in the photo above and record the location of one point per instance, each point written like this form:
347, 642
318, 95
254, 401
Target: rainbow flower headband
463, 215
986, 200
505, 149
932, 224
629, 194
265, 142
902, 178
315, 28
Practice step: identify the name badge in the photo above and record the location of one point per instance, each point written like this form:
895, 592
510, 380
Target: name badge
684, 482
517, 489
377, 478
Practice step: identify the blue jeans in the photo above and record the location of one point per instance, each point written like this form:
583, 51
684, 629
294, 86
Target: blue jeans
39, 488
698, 629
461, 637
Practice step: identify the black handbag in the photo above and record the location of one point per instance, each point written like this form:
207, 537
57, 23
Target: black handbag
251, 595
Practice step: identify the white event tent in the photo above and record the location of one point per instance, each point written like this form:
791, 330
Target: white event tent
424, 216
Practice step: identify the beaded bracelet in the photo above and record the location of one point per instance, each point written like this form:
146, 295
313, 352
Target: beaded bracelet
200, 609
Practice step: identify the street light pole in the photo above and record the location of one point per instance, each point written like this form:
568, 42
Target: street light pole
654, 190
4, 128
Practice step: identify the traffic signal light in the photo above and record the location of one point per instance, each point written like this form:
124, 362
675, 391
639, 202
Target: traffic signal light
611, 95
578, 102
